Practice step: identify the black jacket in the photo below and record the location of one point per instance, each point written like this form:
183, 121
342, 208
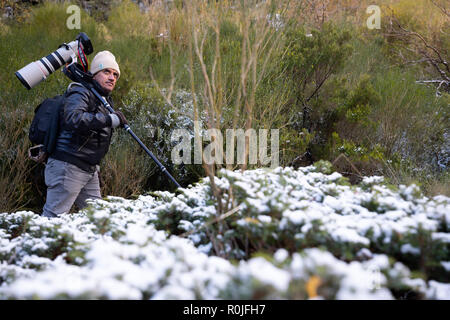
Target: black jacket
85, 129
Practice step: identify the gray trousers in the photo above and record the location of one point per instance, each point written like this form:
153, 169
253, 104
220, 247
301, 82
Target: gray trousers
67, 184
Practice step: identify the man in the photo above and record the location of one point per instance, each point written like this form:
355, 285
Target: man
72, 170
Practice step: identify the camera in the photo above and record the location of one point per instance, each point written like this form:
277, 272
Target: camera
39, 70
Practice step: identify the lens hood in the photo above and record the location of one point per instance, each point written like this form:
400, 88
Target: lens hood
86, 42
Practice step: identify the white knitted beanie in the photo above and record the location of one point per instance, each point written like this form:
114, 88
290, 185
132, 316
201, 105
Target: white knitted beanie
103, 60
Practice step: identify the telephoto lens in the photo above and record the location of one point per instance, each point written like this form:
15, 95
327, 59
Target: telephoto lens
39, 70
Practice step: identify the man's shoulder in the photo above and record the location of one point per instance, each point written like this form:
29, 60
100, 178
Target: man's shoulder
76, 88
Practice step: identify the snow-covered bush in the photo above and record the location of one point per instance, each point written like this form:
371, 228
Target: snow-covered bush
296, 234
154, 121
296, 209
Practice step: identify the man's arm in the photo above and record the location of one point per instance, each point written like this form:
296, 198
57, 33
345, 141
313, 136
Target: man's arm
77, 117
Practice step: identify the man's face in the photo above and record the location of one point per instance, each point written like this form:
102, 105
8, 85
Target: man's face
107, 78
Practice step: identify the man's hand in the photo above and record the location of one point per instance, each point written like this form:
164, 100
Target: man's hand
123, 120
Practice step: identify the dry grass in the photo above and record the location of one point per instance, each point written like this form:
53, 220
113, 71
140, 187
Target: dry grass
14, 163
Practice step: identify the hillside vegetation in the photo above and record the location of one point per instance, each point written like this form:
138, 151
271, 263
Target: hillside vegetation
335, 89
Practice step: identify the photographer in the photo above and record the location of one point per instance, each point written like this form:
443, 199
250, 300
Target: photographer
72, 170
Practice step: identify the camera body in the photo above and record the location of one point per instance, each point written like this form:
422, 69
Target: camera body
37, 71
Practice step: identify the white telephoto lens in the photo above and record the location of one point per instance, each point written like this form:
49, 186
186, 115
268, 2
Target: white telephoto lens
32, 74
37, 71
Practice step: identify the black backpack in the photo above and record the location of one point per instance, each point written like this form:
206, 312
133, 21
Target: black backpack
44, 128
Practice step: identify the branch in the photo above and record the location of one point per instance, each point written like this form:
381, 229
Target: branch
441, 82
433, 61
441, 8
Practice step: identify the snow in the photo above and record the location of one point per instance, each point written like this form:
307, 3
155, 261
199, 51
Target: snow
262, 270
113, 249
440, 291
296, 217
281, 255
446, 265
372, 180
444, 237
407, 248
264, 218
349, 235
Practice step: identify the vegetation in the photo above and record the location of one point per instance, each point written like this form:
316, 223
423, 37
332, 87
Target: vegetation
372, 102
293, 234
